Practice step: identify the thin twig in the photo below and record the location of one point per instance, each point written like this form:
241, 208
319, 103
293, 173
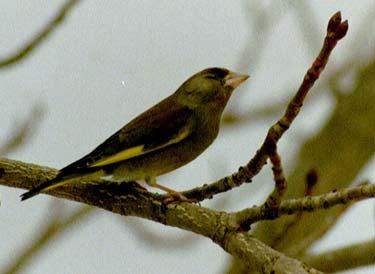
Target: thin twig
311, 180
308, 203
274, 199
272, 203
336, 30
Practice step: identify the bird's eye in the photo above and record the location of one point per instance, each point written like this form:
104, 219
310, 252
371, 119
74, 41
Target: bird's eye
211, 77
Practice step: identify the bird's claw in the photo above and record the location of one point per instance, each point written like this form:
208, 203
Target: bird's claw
177, 197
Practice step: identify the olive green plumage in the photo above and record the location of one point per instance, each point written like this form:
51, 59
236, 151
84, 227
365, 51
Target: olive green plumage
165, 137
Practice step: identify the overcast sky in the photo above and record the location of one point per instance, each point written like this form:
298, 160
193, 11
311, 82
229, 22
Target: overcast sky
111, 60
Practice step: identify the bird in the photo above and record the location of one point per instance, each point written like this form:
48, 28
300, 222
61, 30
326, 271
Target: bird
165, 137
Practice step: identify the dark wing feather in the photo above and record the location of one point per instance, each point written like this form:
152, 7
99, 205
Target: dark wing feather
151, 130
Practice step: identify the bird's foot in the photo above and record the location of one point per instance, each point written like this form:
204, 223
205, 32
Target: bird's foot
174, 196
177, 197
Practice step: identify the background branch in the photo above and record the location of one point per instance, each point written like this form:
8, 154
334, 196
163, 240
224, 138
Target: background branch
345, 258
40, 37
23, 132
54, 228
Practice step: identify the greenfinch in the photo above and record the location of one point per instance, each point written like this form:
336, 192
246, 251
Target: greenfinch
163, 138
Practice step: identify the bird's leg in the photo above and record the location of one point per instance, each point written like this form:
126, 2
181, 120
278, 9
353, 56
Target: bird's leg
174, 195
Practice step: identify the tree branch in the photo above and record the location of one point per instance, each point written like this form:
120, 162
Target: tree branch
274, 199
307, 204
222, 228
248, 249
129, 199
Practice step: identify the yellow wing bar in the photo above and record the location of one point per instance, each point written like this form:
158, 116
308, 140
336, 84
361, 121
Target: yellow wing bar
139, 150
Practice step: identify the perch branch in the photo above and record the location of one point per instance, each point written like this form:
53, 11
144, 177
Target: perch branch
132, 200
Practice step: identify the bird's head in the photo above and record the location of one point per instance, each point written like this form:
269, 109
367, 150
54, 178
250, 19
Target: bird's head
211, 87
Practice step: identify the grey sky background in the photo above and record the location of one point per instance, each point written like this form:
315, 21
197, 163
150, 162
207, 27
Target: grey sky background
111, 60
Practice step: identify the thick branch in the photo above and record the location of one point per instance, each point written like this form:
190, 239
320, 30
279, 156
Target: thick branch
131, 199
248, 249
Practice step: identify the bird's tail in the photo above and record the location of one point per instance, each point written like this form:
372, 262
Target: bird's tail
55, 182
61, 178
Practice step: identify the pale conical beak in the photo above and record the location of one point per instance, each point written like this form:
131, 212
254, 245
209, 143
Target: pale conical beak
233, 79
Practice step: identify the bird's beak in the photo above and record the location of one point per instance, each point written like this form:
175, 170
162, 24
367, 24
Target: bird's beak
233, 79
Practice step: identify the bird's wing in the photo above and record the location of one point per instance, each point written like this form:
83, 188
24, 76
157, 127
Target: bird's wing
165, 124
